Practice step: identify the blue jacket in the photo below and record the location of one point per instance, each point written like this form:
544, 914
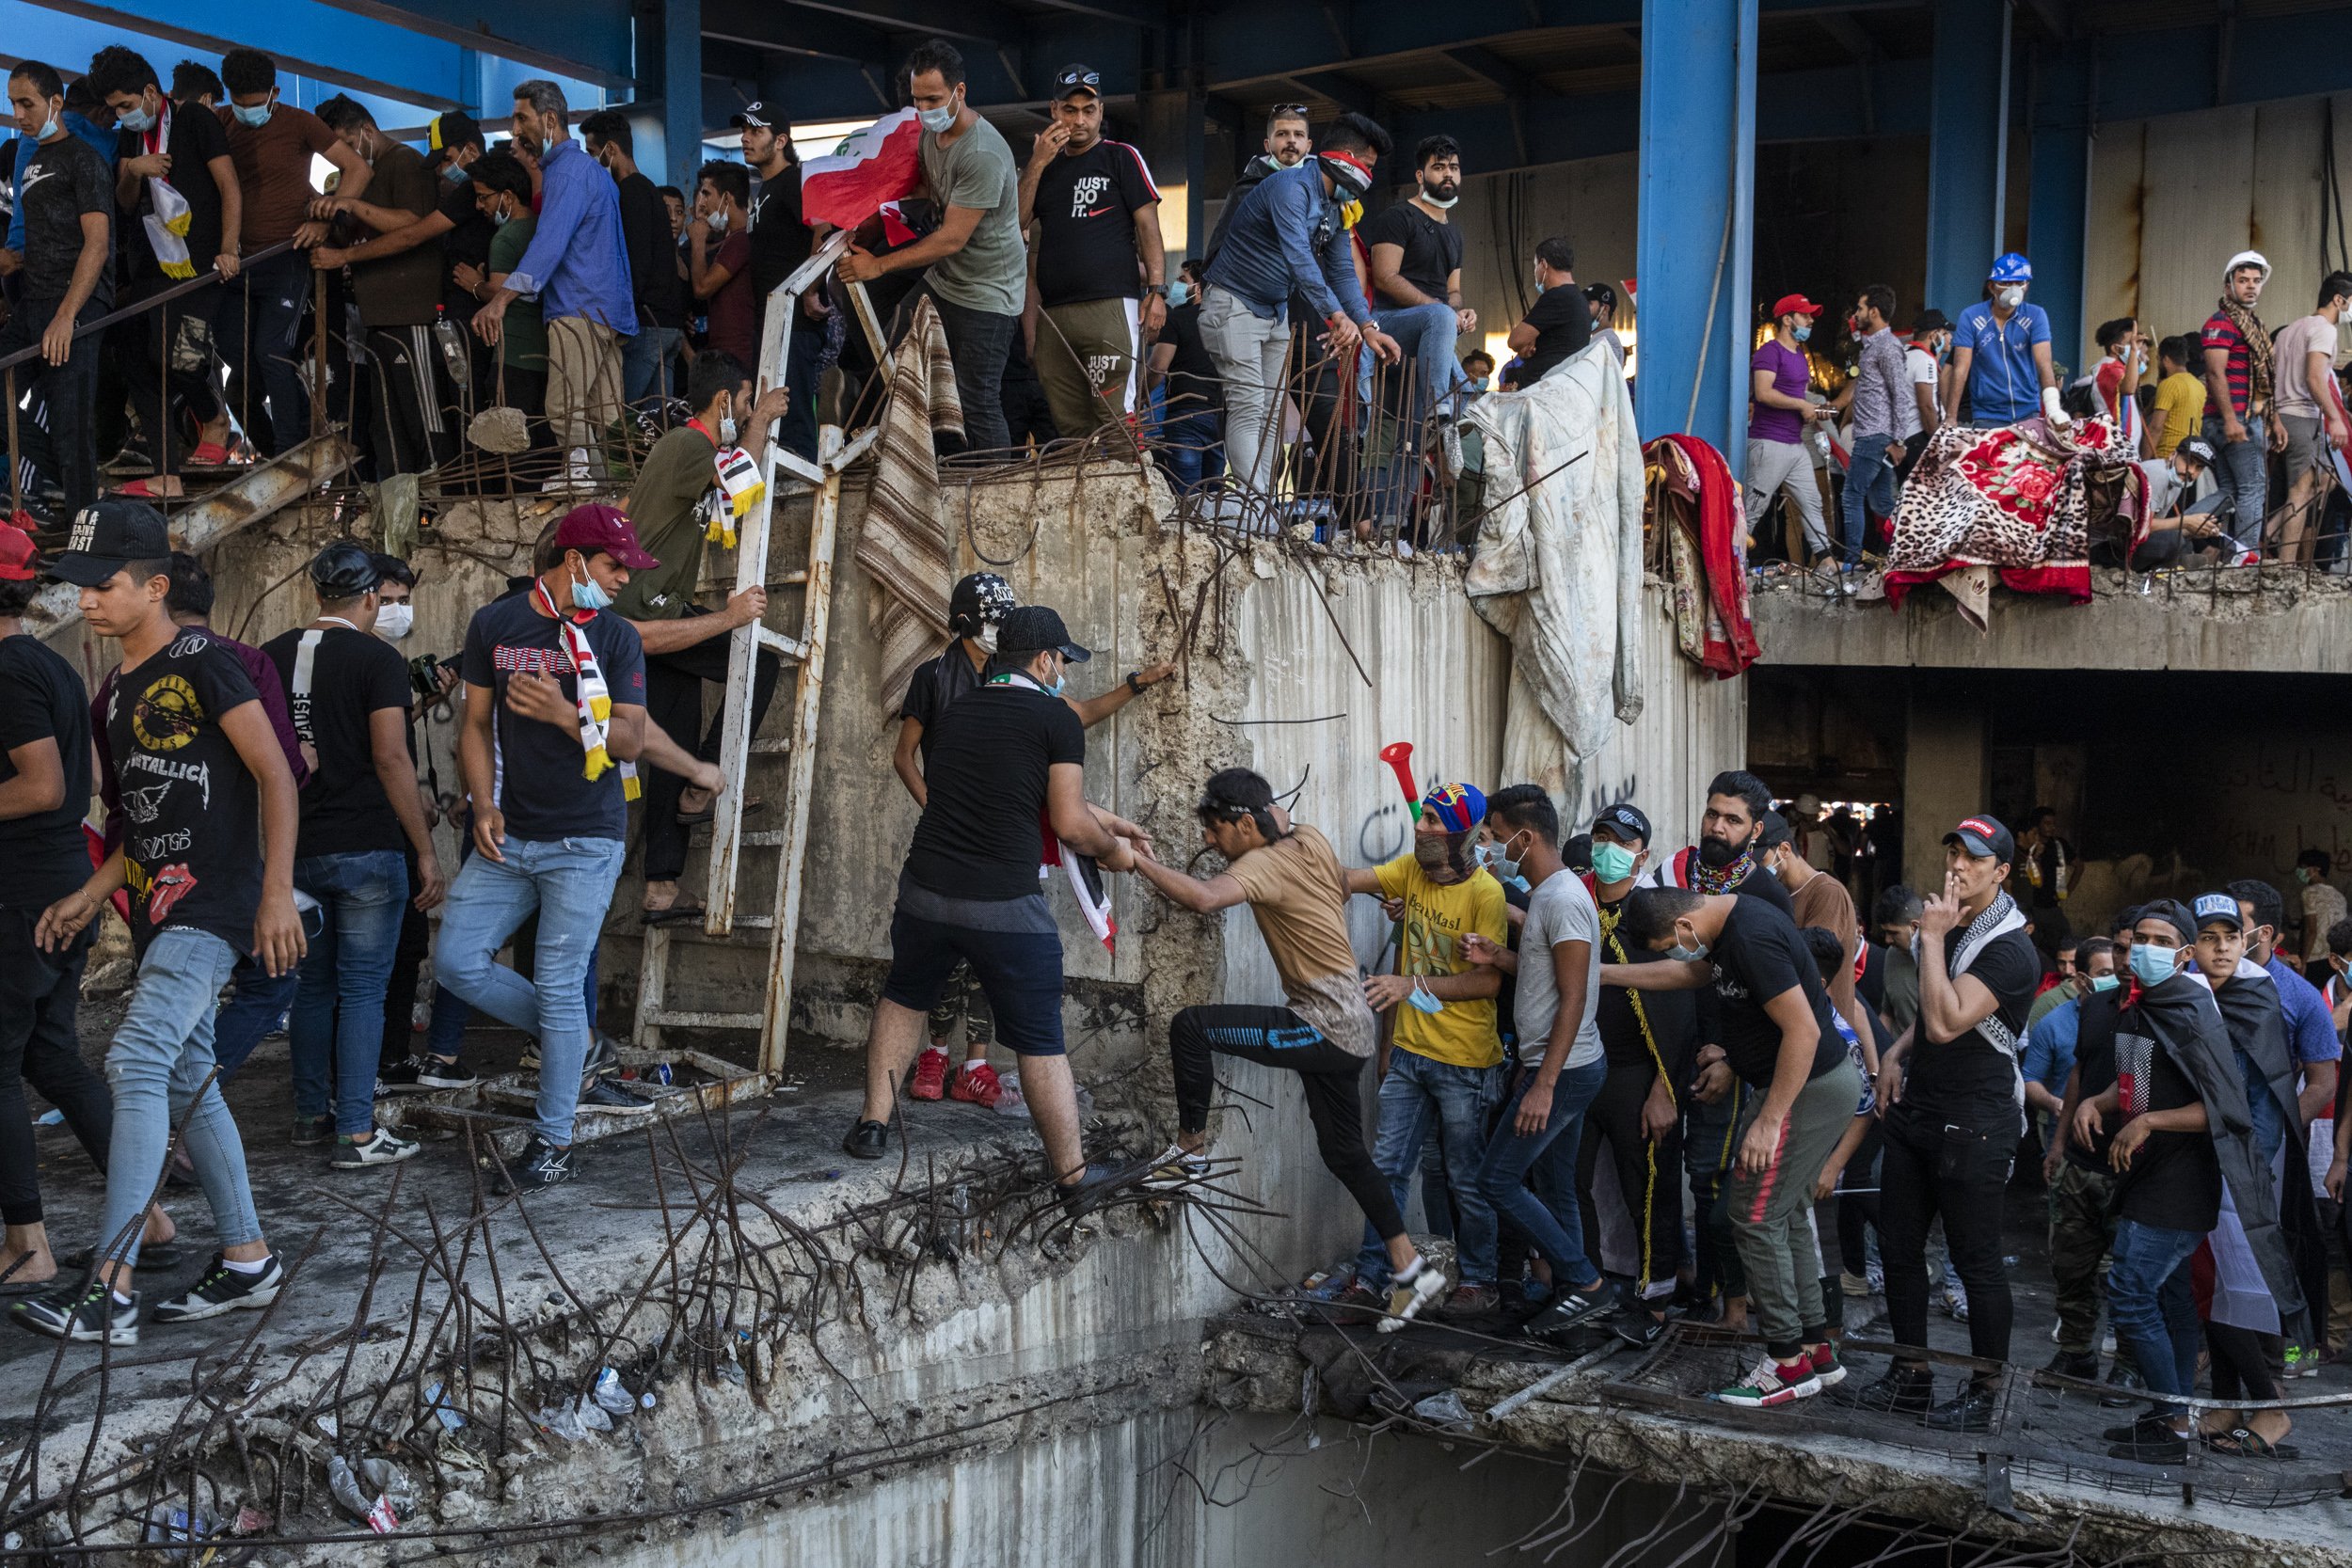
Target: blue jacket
1287, 234
577, 261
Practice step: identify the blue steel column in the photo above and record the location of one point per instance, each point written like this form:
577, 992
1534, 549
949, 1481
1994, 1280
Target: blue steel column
1968, 149
682, 89
1691, 252
2058, 209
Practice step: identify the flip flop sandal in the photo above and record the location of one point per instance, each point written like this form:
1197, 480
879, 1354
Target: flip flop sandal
2246, 1442
694, 818
675, 914
154, 1255
210, 454
10, 1285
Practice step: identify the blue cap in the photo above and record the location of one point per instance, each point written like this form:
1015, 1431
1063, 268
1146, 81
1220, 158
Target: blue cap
2012, 268
2221, 906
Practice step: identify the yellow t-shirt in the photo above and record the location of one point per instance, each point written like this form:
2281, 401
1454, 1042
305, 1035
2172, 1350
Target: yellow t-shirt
1436, 920
2179, 410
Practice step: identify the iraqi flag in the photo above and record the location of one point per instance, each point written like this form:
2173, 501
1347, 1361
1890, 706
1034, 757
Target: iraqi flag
1086, 880
869, 168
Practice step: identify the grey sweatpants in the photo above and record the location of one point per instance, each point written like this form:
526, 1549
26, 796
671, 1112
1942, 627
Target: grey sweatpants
1770, 1210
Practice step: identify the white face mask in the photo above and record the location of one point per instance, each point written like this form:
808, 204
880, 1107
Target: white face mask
719, 221
2013, 295
393, 622
986, 638
940, 121
727, 430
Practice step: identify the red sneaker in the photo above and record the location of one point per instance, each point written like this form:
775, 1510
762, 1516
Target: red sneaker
978, 1083
930, 1073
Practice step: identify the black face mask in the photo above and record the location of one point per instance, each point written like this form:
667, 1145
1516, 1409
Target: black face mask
1715, 854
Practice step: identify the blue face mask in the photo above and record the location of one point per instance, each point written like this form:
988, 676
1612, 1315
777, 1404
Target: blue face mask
1061, 678
2153, 965
1420, 998
588, 594
256, 116
938, 121
1682, 955
454, 174
1802, 333
135, 119
1613, 863
1491, 856
1178, 293
2105, 982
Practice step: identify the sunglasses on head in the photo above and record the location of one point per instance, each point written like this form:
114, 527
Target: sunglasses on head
1288, 111
1081, 79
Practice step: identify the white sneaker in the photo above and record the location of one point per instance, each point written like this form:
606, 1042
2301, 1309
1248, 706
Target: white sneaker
1177, 1167
382, 1149
1407, 1299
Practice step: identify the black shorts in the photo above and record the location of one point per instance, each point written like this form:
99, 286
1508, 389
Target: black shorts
1018, 971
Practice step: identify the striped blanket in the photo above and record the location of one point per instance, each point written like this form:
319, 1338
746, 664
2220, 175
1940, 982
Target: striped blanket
904, 548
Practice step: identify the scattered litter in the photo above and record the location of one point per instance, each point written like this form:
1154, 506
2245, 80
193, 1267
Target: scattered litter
574, 1419
250, 1521
1444, 1410
50, 1118
377, 1492
443, 1410
178, 1525
732, 1373
328, 1424
659, 1074
610, 1395
1010, 1101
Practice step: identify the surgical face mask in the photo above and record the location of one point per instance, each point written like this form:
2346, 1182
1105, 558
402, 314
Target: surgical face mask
2153, 965
256, 115
2012, 295
719, 221
588, 594
1801, 334
2303, 875
1443, 194
985, 638
1613, 863
1691, 953
1479, 383
135, 119
940, 121
1178, 293
728, 429
1540, 284
1421, 997
393, 622
2105, 983
1493, 858
451, 172
503, 216
1061, 678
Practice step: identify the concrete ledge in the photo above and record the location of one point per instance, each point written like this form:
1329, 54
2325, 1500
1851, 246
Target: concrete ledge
2267, 617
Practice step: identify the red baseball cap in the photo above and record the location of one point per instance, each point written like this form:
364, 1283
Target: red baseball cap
20, 558
1794, 305
590, 528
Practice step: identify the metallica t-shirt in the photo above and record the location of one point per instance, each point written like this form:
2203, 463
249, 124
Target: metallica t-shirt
192, 840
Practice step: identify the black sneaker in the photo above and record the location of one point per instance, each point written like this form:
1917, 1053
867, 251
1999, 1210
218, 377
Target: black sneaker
1903, 1391
309, 1131
2123, 1381
2081, 1364
1970, 1410
606, 1097
378, 1147
1572, 1309
1081, 1197
2141, 1425
90, 1316
420, 1074
221, 1289
2158, 1445
1637, 1328
867, 1140
539, 1167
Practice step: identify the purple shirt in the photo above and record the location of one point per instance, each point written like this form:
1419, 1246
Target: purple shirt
1791, 374
267, 681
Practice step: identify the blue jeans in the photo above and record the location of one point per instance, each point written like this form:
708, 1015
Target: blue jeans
257, 999
649, 365
2242, 472
1426, 334
569, 881
2152, 1307
339, 1004
161, 1057
445, 1034
1193, 450
1869, 481
1418, 1096
1554, 1222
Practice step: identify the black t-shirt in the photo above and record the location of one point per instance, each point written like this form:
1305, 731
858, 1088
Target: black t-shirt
1433, 250
1672, 1016
1871, 985
1507, 999
937, 683
658, 287
43, 855
192, 843
1759, 956
980, 835
1086, 217
542, 785
194, 141
1561, 325
63, 181
1975, 1078
780, 241
468, 240
2095, 1021
333, 695
2175, 1181
1193, 385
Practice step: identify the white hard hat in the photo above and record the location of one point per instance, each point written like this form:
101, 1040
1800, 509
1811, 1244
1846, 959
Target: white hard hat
2246, 259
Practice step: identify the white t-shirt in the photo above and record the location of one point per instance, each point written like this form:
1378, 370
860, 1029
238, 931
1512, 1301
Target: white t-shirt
1559, 911
2302, 338
1922, 365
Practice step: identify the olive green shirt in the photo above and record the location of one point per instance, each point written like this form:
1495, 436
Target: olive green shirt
991, 271
666, 508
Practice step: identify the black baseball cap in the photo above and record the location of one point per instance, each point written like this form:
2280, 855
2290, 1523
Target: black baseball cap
1982, 835
755, 113
2219, 909
107, 536
451, 130
1774, 832
345, 570
2197, 450
1035, 628
2173, 914
1072, 80
1625, 820
1930, 321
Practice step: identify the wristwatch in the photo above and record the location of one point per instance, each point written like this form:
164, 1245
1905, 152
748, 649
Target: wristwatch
1135, 682
1155, 288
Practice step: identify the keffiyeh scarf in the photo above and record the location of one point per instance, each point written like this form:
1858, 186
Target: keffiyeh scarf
592, 696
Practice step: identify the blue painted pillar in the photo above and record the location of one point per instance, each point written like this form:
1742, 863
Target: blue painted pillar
1968, 150
682, 90
1694, 244
2057, 218
468, 89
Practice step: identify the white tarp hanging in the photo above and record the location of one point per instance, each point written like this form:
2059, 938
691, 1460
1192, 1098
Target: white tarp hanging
1559, 565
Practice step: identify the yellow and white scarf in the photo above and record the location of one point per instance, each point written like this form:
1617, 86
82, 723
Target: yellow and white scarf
167, 225
594, 699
